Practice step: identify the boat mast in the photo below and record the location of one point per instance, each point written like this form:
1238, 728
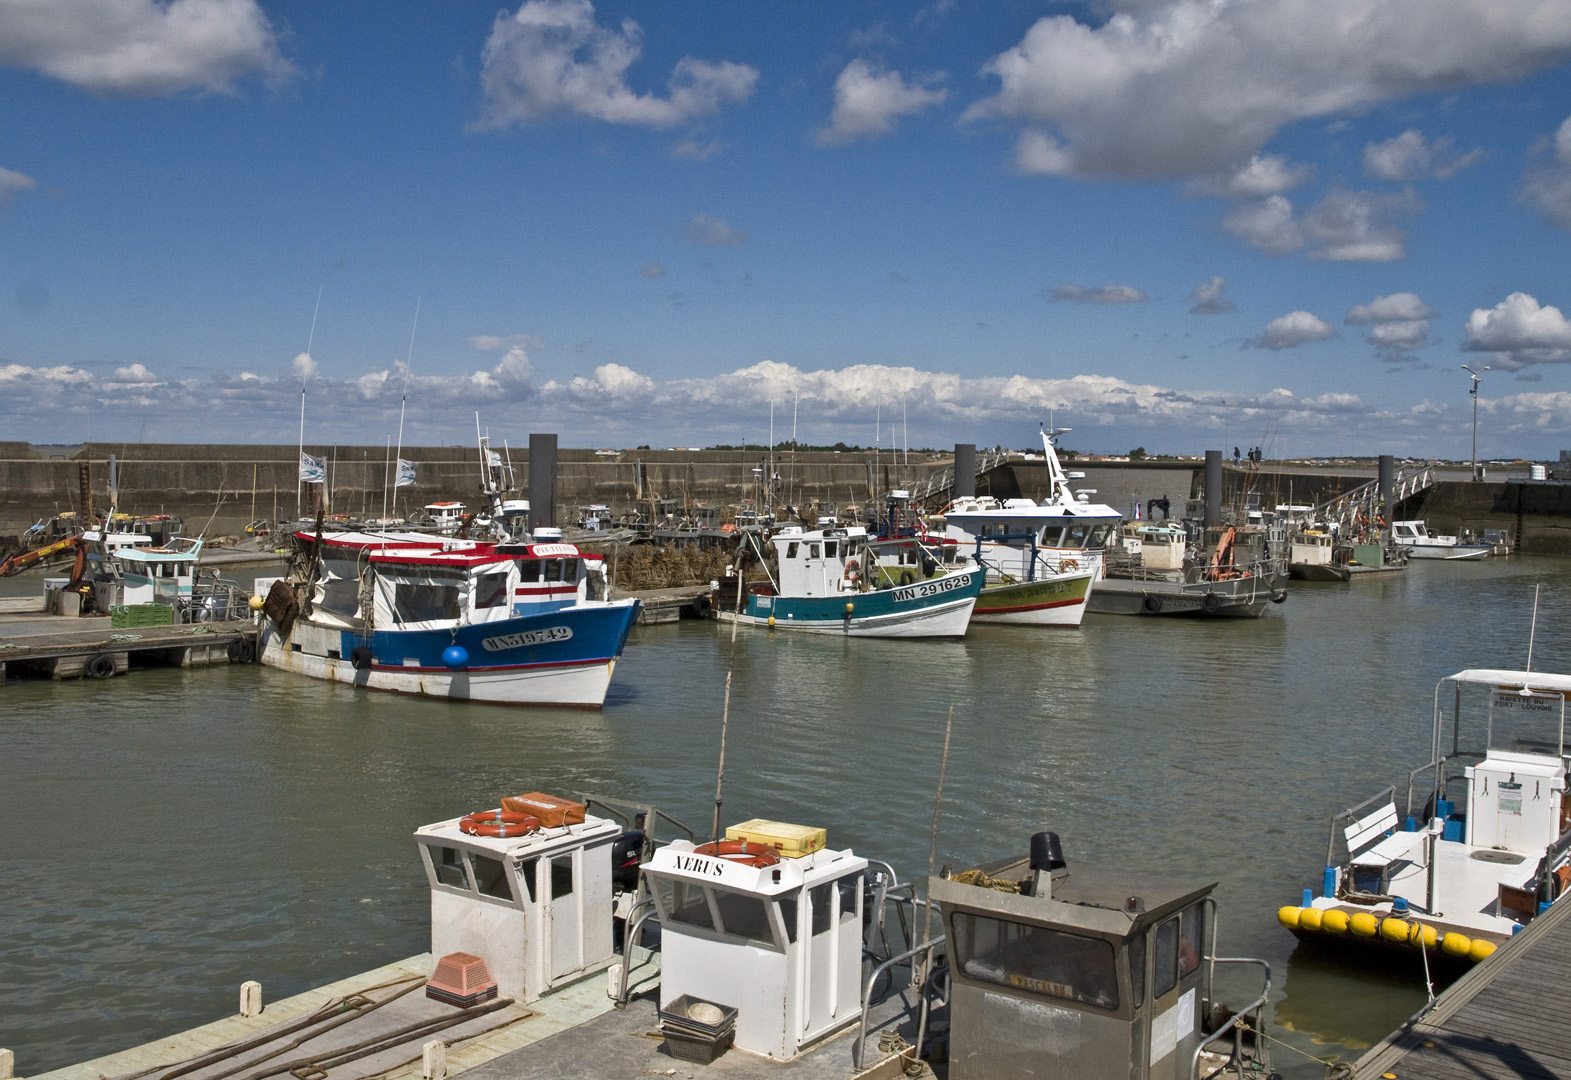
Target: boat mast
310, 339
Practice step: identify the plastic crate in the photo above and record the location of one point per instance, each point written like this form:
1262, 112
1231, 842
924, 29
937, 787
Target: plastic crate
789, 841
700, 1049
129, 616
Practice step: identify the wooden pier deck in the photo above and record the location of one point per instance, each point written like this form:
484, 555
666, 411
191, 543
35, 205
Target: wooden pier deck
669, 605
1508, 1017
57, 647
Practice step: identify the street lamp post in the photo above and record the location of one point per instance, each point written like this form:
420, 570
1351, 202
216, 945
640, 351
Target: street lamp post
1476, 376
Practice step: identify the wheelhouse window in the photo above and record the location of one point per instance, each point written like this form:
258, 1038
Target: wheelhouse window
491, 590
791, 549
721, 911
831, 547
1075, 536
1099, 536
553, 570
528, 569
448, 864
1052, 536
425, 603
1036, 959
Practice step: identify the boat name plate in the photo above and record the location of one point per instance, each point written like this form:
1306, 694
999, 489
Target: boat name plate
503, 642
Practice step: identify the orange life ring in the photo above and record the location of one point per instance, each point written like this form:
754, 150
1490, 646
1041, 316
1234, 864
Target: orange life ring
1066, 565
852, 566
738, 851
502, 824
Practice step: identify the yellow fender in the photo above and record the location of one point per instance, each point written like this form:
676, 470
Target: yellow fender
1363, 924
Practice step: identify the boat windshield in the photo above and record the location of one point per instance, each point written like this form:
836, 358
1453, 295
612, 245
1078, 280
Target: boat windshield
1037, 959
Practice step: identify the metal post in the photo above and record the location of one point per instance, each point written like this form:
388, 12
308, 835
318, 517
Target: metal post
1476, 376
542, 480
1387, 492
965, 470
1213, 488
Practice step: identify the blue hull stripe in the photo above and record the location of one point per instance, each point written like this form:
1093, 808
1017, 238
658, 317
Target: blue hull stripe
566, 638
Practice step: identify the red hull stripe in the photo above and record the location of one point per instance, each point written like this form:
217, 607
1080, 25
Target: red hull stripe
1027, 607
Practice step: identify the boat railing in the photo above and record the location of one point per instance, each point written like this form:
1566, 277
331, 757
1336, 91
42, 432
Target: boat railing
924, 995
1245, 1019
1547, 882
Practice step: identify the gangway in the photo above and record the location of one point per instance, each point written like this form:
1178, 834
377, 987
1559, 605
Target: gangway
1353, 511
941, 484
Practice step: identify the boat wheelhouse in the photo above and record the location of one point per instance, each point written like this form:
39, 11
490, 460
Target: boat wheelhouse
1484, 851
1312, 557
1087, 974
825, 586
514, 623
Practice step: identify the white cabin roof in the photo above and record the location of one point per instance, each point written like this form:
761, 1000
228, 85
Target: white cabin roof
1532, 680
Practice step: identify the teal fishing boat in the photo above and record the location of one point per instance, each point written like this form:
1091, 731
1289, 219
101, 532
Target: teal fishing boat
826, 586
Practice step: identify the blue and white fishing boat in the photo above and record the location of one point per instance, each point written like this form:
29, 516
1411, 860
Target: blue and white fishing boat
826, 586
514, 623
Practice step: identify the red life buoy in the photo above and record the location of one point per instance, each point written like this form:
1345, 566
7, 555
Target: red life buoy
739, 851
502, 824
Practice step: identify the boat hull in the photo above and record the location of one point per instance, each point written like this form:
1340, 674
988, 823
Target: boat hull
566, 657
1319, 572
1059, 601
1242, 598
1450, 552
938, 607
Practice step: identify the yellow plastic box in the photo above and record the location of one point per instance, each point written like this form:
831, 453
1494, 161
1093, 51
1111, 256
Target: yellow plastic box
790, 841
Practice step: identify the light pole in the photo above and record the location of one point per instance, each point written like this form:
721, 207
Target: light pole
1476, 376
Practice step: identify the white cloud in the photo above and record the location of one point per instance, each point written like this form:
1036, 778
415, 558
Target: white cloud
1102, 294
1344, 226
652, 270
696, 150
12, 182
868, 102
1398, 324
492, 342
706, 231
1259, 177
1547, 188
1357, 226
1209, 300
550, 57
1409, 156
1292, 330
618, 405
1519, 332
1185, 87
142, 47
1398, 307
1267, 225
135, 375
304, 367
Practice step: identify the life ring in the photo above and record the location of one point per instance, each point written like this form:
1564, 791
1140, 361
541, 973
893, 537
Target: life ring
739, 851
907, 577
1067, 565
361, 657
242, 651
1153, 604
503, 824
852, 566
1211, 603
101, 666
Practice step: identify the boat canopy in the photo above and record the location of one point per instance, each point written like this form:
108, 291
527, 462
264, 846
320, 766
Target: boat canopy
1531, 680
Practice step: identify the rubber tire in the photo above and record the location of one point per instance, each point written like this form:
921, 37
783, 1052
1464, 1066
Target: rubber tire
1153, 604
101, 666
1279, 598
700, 606
907, 577
242, 651
360, 657
1211, 604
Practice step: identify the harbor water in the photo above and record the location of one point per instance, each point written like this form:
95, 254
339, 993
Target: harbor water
170, 834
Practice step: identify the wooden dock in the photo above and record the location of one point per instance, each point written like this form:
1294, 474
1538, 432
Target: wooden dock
1508, 1017
670, 605
57, 647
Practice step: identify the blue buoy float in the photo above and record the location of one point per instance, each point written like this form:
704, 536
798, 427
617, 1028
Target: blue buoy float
455, 657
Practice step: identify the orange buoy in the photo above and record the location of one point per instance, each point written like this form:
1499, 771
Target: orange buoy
502, 824
739, 851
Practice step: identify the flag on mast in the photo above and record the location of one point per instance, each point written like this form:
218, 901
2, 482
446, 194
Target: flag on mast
313, 470
406, 474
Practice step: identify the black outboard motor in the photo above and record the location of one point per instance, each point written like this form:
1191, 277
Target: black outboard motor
627, 852
1047, 855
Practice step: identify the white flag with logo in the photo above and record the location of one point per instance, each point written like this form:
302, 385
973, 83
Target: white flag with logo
406, 474
313, 470
494, 458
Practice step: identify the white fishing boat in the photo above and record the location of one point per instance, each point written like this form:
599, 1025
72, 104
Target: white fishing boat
1422, 543
513, 623
1312, 557
826, 586
1472, 856
1042, 559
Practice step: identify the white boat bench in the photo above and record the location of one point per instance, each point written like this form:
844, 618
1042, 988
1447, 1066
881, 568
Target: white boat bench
1376, 840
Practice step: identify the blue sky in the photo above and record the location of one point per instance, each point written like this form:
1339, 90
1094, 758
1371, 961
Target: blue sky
1174, 224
